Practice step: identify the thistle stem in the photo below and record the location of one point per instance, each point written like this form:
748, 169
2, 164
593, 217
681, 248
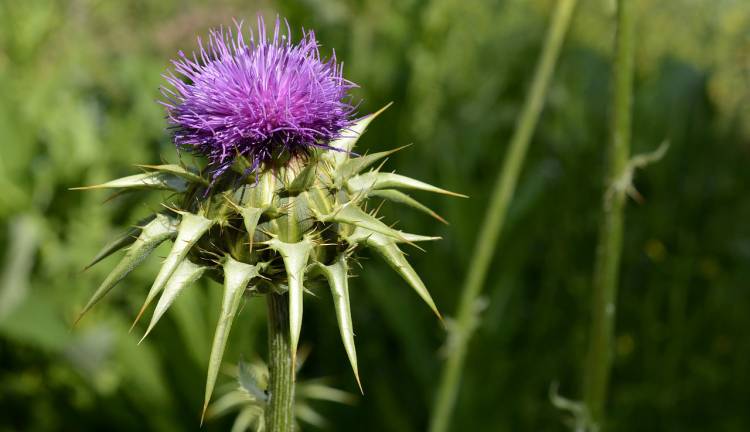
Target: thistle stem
280, 408
607, 261
494, 219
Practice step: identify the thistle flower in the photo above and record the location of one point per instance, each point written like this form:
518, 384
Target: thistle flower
256, 100
301, 218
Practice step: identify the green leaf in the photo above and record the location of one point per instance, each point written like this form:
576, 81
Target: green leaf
353, 215
352, 134
249, 418
307, 414
153, 234
231, 401
149, 180
295, 257
338, 281
185, 274
120, 241
379, 180
191, 228
358, 164
402, 198
391, 253
249, 382
179, 171
236, 277
318, 390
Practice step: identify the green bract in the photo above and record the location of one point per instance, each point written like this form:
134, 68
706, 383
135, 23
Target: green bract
270, 231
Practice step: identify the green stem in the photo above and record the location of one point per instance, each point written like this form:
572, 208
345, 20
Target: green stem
504, 188
607, 261
280, 408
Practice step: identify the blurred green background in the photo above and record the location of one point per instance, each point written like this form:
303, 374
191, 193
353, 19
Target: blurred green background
78, 85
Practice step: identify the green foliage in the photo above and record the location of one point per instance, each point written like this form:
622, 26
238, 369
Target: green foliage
79, 81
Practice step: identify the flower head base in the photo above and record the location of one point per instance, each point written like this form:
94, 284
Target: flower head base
257, 100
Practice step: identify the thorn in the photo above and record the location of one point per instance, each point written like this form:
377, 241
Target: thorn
113, 196
419, 248
138, 318
148, 331
77, 320
203, 412
443, 323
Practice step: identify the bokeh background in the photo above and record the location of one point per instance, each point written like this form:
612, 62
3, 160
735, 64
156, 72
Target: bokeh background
78, 85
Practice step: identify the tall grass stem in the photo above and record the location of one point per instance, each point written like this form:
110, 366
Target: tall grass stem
489, 233
607, 261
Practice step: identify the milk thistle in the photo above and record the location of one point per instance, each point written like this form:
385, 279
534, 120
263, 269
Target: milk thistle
281, 199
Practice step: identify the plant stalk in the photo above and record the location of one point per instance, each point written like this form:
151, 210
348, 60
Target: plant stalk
466, 318
280, 409
607, 261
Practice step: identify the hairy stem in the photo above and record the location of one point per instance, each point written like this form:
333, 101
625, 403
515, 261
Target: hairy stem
489, 233
280, 408
607, 262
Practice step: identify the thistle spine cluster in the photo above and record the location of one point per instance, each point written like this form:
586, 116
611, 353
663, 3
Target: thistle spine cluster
295, 222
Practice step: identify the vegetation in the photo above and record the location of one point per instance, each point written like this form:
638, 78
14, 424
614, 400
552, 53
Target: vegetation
78, 85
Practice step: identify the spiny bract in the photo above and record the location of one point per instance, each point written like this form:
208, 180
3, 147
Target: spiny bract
276, 231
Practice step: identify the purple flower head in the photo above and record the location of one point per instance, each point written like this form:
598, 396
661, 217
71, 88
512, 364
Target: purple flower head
258, 99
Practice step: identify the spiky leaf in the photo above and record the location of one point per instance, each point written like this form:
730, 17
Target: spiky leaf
149, 180
413, 238
236, 277
121, 241
358, 164
184, 276
153, 234
389, 250
379, 180
345, 144
402, 198
353, 215
179, 171
338, 280
361, 235
191, 228
295, 257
